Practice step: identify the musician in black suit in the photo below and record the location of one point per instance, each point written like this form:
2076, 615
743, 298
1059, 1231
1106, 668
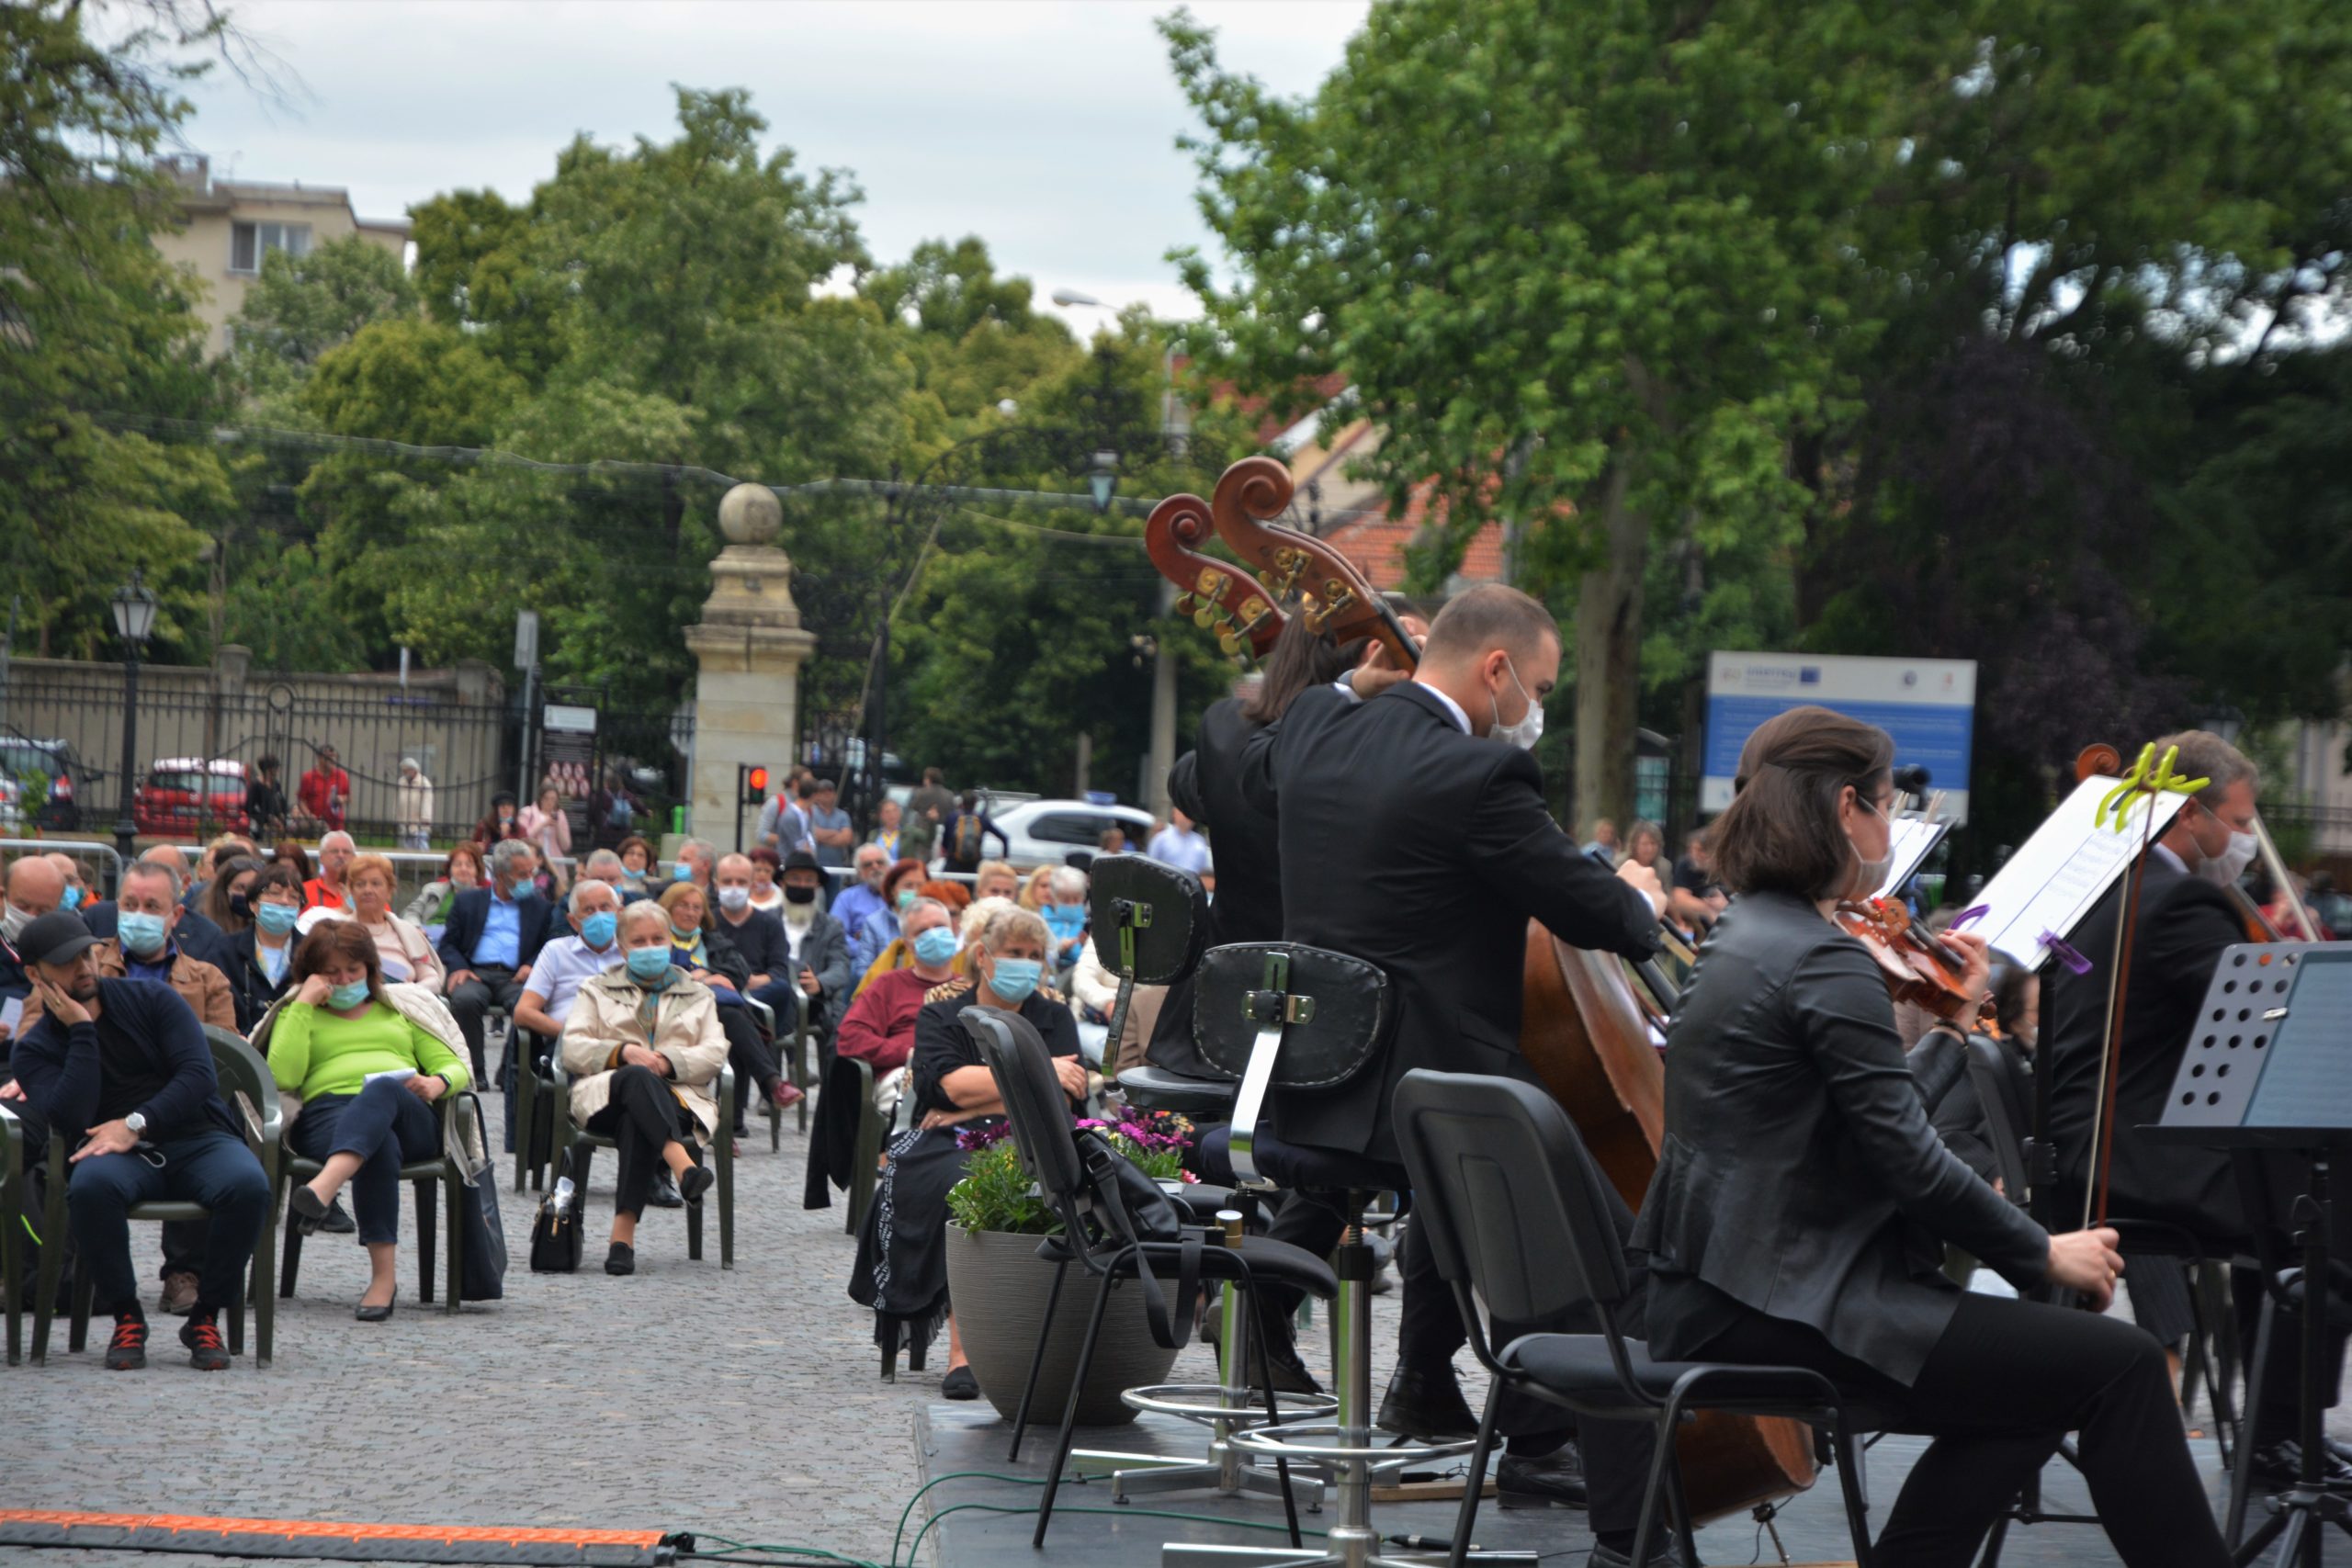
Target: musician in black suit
2186, 920
1802, 1198
1413, 835
492, 938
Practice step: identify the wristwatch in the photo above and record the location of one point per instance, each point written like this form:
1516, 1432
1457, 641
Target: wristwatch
137, 1122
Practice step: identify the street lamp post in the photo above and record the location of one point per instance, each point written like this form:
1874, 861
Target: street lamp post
134, 620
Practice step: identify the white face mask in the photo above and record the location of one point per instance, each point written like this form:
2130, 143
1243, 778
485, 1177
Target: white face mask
2223, 870
734, 900
1872, 876
1530, 728
14, 921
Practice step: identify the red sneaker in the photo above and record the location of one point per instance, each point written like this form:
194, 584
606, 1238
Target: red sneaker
127, 1351
206, 1352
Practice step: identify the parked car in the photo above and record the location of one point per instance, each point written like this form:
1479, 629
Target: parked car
1044, 833
190, 797
49, 774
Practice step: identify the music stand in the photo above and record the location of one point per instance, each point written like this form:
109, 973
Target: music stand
2266, 1069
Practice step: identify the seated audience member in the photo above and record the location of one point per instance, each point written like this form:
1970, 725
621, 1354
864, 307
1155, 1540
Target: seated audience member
1094, 997
637, 863
196, 936
289, 852
35, 888
224, 847
1033, 891
368, 1070
461, 872
901, 1268
144, 948
76, 896
494, 937
331, 889
120, 1068
879, 1027
995, 879
879, 928
501, 822
767, 890
771, 976
565, 963
704, 948
644, 1048
1065, 913
261, 957
694, 860
605, 867
818, 966
402, 949
885, 836
898, 955
228, 902
863, 895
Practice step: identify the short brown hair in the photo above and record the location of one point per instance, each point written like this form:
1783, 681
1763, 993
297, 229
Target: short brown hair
289, 853
634, 842
380, 865
670, 897
1492, 615
1781, 834
2205, 755
340, 940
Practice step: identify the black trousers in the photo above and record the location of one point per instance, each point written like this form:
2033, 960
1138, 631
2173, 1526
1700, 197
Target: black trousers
754, 1063
2008, 1380
641, 1116
492, 986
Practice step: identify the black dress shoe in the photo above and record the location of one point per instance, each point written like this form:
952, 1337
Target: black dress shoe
367, 1314
338, 1221
621, 1259
2280, 1464
665, 1193
305, 1213
1290, 1375
699, 1179
1556, 1477
959, 1384
1424, 1405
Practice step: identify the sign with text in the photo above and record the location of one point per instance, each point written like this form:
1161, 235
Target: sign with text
1928, 705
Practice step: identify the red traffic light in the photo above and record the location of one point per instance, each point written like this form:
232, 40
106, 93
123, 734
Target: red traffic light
758, 779
754, 785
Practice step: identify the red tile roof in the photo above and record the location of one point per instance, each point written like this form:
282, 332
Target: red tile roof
1376, 544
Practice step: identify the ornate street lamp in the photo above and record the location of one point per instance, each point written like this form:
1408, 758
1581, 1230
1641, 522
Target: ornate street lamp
134, 622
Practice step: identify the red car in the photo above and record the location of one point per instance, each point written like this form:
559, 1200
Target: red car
188, 797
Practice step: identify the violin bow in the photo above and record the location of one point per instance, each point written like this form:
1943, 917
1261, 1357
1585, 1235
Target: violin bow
2149, 778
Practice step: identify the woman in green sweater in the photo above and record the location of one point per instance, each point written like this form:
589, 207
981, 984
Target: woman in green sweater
368, 1078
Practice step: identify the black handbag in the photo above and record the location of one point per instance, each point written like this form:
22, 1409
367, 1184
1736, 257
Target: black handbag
483, 1244
1130, 1207
556, 1243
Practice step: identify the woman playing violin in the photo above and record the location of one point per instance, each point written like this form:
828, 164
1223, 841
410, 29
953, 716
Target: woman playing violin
1802, 1198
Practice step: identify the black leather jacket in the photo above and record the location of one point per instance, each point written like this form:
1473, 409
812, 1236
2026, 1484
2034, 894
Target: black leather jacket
1800, 1177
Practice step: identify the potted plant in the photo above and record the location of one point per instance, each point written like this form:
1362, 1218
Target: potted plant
1000, 1285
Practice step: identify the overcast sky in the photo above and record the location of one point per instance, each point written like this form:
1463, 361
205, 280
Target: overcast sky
1046, 127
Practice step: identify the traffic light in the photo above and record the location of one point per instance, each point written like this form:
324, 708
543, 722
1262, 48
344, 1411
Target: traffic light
755, 782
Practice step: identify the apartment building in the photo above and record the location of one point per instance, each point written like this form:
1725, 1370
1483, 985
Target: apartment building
230, 225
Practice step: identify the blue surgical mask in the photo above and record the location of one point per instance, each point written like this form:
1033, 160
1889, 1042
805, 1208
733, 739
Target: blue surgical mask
936, 947
1065, 920
682, 872
275, 918
649, 965
73, 899
142, 934
597, 929
1015, 978
343, 999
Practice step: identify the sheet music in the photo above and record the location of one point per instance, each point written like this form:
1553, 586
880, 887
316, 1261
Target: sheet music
2054, 880
1909, 840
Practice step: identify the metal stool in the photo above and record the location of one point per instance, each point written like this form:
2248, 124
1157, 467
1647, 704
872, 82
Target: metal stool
1308, 1018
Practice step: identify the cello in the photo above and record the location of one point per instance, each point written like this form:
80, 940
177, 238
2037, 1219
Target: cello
1586, 1027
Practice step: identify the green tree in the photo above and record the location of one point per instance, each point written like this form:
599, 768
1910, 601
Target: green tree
302, 307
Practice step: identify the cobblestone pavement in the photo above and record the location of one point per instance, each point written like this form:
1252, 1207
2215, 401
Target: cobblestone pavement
743, 1404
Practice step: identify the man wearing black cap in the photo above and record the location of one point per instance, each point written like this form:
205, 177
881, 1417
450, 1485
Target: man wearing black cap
121, 1069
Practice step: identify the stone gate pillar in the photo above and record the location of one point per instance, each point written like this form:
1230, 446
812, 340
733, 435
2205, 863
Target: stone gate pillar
749, 650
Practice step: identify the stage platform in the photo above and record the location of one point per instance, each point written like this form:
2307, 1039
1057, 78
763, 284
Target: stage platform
964, 1437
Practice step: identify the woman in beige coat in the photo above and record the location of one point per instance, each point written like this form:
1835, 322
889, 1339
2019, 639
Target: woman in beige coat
643, 1046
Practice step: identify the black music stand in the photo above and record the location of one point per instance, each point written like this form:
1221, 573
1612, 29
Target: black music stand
2266, 1068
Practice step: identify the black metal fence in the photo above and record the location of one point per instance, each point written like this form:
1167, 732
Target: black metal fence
198, 747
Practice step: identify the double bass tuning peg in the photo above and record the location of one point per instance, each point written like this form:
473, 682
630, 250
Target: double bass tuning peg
1185, 604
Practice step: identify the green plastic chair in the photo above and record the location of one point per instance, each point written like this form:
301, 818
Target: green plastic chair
422, 1176
566, 1133
252, 1093
855, 1076
12, 1229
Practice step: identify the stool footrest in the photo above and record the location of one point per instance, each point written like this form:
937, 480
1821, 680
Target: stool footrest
1285, 1442
1210, 1402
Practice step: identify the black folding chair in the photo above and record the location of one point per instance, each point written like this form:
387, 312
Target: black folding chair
1514, 1210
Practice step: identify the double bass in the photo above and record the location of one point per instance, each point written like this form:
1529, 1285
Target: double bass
1586, 1027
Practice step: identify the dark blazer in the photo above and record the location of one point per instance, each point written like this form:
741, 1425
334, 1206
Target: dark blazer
825, 953
62, 1071
471, 910
1407, 843
198, 936
2184, 923
249, 983
1800, 1176
1205, 785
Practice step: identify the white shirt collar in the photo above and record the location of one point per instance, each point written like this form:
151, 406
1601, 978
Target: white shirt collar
2172, 857
1461, 717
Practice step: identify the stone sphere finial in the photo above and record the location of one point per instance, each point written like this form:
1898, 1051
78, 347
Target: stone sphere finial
751, 514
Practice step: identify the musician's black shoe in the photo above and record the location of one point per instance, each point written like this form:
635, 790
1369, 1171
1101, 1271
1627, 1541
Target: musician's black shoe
1664, 1553
1419, 1404
1538, 1482
2280, 1464
665, 1193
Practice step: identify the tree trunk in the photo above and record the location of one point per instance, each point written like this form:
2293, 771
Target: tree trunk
1608, 658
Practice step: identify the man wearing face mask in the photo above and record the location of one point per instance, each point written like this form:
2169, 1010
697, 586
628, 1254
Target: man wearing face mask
195, 934
1414, 764
761, 942
818, 962
2186, 920
853, 903
566, 962
35, 888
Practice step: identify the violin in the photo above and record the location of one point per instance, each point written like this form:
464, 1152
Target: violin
1919, 967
